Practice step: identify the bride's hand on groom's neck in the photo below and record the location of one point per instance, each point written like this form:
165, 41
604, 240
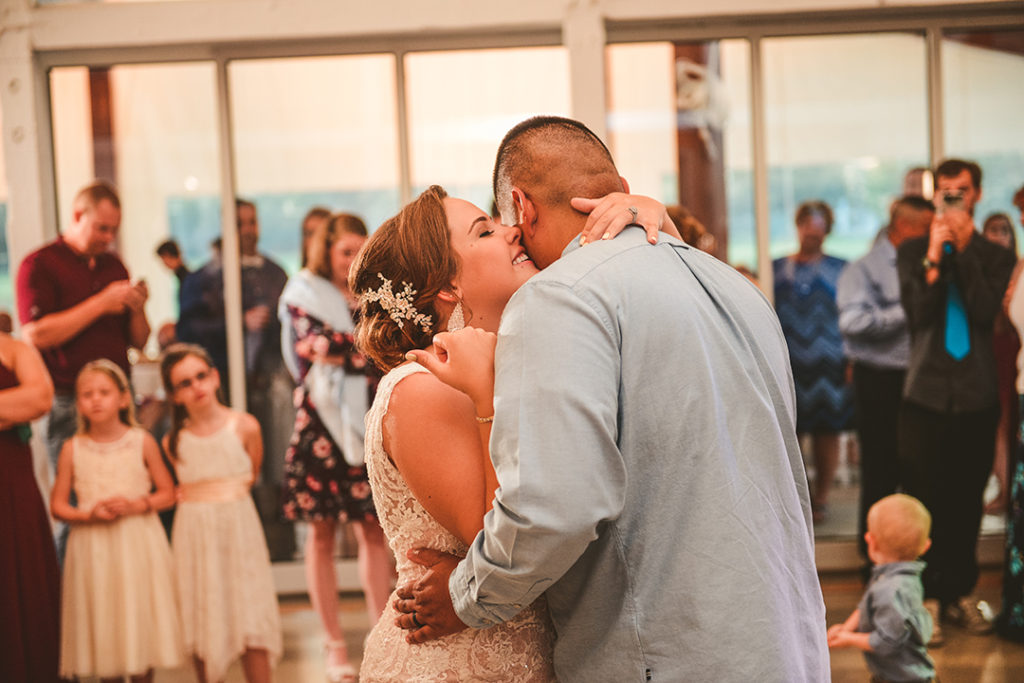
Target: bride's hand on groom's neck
464, 360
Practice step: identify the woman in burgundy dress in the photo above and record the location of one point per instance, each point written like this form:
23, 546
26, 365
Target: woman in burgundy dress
29, 579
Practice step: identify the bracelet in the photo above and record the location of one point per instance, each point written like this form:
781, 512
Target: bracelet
484, 420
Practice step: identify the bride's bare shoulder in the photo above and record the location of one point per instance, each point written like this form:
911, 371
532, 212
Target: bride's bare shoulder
420, 395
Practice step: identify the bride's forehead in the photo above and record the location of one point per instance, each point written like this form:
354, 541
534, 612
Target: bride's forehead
459, 210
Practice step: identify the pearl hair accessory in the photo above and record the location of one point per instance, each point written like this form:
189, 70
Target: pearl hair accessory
399, 307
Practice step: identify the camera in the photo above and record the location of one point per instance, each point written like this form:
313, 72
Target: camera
951, 199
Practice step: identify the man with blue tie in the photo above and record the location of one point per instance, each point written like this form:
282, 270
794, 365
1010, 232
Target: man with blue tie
951, 285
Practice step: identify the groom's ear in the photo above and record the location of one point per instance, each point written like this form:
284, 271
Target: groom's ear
625, 185
526, 211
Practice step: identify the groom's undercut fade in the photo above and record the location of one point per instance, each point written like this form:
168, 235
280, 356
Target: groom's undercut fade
554, 159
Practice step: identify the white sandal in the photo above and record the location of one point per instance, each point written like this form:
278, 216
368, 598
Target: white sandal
340, 673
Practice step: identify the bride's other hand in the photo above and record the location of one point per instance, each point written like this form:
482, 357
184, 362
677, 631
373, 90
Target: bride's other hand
464, 359
609, 215
425, 606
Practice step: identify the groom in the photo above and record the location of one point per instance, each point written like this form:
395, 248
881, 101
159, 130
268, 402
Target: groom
651, 481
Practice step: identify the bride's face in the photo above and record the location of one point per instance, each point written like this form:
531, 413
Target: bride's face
494, 263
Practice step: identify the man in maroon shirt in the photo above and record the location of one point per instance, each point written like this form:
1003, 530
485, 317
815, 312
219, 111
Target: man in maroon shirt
76, 304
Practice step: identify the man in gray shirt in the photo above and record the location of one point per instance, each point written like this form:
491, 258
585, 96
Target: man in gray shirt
651, 484
876, 339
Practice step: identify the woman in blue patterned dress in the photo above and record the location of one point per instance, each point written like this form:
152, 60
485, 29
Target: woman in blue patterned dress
805, 299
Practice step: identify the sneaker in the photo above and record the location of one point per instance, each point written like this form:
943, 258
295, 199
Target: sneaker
937, 639
974, 615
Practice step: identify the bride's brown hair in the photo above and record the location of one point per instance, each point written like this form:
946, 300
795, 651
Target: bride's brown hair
413, 247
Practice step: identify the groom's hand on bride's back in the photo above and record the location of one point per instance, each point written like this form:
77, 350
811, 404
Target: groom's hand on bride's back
424, 606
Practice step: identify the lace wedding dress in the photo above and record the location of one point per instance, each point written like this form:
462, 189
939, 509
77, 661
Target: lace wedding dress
518, 650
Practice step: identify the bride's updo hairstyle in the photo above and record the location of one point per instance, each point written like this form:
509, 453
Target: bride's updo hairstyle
410, 252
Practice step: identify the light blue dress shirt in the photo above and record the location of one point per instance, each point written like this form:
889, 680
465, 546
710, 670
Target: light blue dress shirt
871, 317
651, 479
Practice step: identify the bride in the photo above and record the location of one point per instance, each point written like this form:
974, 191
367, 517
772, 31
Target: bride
441, 264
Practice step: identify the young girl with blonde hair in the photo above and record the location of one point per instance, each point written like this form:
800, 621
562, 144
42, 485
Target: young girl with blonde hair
118, 610
228, 600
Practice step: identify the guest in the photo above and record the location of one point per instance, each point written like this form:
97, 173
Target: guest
877, 342
119, 609
1010, 623
77, 304
225, 585
805, 299
325, 476
891, 624
998, 229
268, 385
170, 253
951, 285
693, 231
201, 316
30, 579
313, 219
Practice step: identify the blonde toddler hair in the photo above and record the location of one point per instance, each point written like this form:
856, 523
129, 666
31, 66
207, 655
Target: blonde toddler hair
900, 525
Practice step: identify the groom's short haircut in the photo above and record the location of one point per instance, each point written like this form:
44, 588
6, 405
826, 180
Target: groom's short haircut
555, 159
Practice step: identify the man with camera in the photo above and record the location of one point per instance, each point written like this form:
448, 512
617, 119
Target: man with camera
951, 286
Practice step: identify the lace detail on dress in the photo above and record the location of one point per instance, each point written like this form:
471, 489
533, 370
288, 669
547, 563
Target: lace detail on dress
518, 650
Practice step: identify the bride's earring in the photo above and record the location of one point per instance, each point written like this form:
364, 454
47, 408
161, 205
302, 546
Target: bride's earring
455, 320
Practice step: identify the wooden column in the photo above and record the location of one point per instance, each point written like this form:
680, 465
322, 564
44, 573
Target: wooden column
702, 164
104, 165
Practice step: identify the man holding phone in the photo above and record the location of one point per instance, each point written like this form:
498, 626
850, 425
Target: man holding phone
76, 303
951, 285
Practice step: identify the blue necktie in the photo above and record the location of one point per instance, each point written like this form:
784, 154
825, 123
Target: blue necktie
958, 336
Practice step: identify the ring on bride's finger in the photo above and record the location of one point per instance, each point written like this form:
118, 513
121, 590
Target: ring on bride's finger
416, 621
633, 211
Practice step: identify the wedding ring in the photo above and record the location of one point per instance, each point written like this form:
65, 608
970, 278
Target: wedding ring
632, 210
416, 621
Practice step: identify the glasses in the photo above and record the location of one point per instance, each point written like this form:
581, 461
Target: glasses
201, 376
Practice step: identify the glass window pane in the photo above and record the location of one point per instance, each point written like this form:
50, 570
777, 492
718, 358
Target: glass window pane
687, 106
982, 75
461, 104
846, 117
315, 131
307, 132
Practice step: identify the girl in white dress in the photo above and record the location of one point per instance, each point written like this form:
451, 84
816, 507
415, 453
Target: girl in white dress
118, 609
228, 601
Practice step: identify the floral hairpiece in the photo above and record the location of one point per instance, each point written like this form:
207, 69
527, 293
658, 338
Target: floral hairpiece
399, 307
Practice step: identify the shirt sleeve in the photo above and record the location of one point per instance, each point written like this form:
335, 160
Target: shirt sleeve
861, 315
554, 450
921, 301
37, 291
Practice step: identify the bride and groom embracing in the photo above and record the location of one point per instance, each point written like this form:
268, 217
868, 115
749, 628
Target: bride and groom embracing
640, 511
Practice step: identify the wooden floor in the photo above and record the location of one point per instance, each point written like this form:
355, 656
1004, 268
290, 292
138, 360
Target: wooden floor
963, 659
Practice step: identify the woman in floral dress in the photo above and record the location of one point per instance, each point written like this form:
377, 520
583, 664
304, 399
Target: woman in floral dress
325, 478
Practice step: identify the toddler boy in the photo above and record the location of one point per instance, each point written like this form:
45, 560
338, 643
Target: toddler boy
890, 624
